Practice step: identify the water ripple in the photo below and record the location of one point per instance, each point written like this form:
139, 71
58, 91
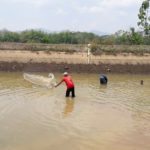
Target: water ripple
98, 114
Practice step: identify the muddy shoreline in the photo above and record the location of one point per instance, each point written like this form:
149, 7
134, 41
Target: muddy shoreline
76, 68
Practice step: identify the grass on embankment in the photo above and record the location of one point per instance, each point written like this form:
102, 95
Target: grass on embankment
70, 48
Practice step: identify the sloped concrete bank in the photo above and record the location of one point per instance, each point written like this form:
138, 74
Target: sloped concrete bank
28, 61
77, 68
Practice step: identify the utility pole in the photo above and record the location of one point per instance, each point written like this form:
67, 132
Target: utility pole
88, 53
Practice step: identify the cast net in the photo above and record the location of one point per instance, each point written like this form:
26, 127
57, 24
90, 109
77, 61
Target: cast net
48, 82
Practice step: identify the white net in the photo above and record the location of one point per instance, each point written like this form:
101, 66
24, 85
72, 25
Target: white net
48, 82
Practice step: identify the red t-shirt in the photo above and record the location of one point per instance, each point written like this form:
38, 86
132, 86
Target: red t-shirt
68, 81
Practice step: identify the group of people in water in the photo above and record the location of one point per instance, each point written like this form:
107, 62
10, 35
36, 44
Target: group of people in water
70, 84
71, 87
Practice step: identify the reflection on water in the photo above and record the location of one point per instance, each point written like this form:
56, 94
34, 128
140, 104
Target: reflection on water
69, 105
112, 117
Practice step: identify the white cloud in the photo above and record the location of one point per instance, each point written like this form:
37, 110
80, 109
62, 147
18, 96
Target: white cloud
120, 3
92, 9
35, 3
60, 12
106, 6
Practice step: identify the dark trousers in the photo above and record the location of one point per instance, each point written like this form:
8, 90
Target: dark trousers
72, 90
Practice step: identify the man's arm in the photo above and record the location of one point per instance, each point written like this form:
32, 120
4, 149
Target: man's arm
59, 83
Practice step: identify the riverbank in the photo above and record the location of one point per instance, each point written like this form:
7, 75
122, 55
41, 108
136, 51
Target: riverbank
28, 61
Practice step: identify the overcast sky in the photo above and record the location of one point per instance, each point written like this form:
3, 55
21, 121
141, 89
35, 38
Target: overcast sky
107, 16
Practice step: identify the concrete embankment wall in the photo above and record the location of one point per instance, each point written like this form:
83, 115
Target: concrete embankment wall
76, 62
77, 68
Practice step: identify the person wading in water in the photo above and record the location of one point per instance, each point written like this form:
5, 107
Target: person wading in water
69, 83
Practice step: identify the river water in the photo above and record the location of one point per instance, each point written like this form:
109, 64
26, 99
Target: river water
112, 117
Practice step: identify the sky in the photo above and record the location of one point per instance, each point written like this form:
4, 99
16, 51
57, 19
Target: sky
107, 16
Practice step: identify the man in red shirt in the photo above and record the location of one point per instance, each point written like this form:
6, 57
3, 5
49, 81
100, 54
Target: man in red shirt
69, 83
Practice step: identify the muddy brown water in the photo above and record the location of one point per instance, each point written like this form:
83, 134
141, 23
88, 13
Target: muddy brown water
112, 117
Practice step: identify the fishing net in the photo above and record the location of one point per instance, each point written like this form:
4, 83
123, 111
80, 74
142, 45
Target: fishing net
48, 82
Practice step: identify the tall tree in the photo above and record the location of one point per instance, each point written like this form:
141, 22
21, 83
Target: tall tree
144, 18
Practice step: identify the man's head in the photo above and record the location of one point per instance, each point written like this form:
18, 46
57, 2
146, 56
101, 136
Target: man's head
65, 73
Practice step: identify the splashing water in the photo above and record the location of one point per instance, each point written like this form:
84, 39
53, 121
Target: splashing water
39, 80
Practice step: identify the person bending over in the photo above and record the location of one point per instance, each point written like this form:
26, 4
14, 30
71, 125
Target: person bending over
69, 83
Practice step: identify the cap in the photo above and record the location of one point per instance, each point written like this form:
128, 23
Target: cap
65, 73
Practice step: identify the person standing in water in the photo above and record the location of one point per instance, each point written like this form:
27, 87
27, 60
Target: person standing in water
69, 83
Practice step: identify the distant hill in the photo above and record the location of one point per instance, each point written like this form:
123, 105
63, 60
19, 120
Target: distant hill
99, 33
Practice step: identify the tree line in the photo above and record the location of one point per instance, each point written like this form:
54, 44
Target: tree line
38, 36
130, 37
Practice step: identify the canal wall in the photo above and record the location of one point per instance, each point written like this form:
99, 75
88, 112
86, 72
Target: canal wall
21, 60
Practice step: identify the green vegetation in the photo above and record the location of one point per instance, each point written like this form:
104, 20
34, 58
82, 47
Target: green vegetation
144, 18
38, 36
120, 49
130, 38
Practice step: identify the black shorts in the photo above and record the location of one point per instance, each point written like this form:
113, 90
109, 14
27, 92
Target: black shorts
72, 90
